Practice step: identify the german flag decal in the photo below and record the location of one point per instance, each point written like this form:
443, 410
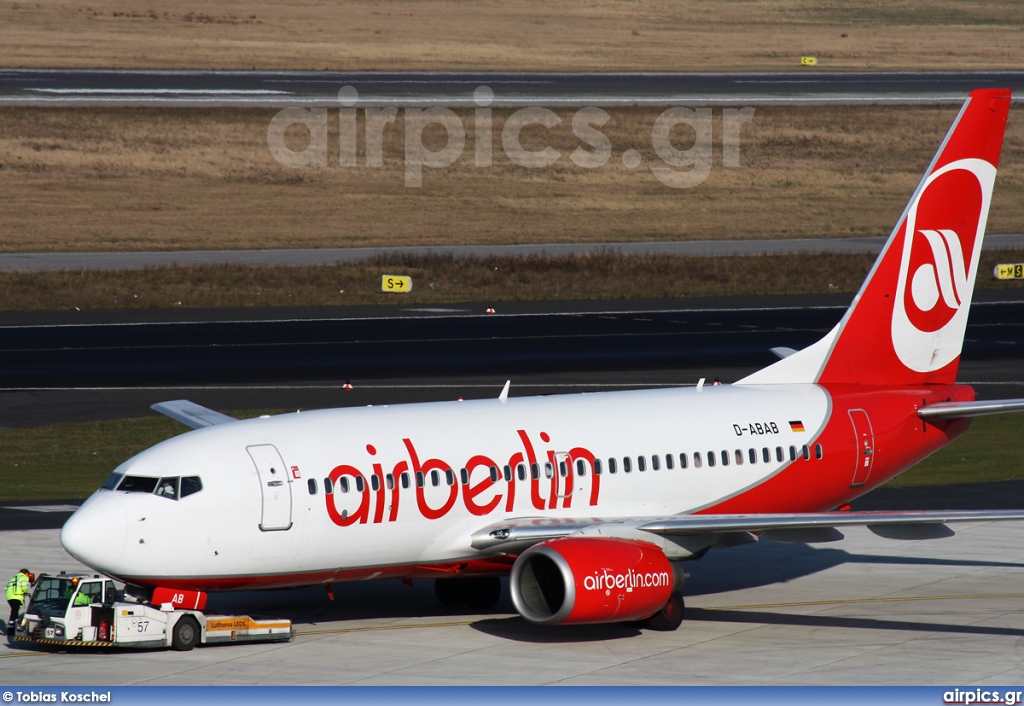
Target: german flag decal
797, 426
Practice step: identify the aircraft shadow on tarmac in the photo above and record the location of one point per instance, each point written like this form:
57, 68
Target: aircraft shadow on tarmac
770, 562
720, 571
834, 621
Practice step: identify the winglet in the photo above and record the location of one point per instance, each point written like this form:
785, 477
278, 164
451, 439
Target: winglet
191, 414
503, 397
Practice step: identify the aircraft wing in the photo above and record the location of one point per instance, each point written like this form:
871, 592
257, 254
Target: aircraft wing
517, 534
191, 414
956, 410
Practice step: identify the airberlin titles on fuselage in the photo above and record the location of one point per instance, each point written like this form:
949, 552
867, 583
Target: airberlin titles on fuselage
550, 475
554, 478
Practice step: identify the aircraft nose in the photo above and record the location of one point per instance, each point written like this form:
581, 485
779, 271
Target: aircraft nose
96, 534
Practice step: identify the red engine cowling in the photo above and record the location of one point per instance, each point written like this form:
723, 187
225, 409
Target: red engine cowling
591, 580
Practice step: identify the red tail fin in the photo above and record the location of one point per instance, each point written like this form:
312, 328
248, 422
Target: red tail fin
906, 325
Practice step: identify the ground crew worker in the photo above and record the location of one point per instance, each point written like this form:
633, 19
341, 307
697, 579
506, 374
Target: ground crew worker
17, 588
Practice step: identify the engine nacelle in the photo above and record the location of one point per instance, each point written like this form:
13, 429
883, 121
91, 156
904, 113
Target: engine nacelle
591, 580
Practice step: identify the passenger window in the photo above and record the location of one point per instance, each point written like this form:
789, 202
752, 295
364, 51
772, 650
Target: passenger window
683, 461
806, 453
562, 470
449, 476
535, 471
311, 484
668, 462
521, 470
597, 466
739, 457
696, 460
343, 484
641, 463
328, 486
581, 467
752, 453
611, 465
375, 482
405, 479
190, 485
655, 462
766, 454
360, 484
168, 488
508, 473
818, 452
725, 458
779, 454
711, 459
494, 474
435, 478
389, 481
464, 475
627, 465
792, 453
549, 472
419, 479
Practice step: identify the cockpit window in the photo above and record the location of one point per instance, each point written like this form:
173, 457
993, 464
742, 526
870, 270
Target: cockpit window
138, 484
190, 485
168, 488
112, 480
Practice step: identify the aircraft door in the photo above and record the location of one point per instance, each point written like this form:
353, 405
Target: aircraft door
865, 447
275, 487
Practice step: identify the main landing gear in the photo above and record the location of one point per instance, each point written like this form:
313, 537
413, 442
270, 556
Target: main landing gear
669, 618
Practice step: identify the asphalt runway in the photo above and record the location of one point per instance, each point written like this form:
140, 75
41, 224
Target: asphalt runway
78, 261
76, 366
406, 89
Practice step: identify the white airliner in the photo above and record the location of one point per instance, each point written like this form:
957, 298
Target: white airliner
588, 501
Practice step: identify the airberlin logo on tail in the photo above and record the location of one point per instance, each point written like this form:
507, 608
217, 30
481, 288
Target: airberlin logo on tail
942, 237
939, 283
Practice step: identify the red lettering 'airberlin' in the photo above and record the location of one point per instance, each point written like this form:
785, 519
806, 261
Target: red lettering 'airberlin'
375, 497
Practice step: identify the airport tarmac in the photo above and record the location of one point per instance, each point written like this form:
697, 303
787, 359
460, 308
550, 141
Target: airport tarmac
861, 611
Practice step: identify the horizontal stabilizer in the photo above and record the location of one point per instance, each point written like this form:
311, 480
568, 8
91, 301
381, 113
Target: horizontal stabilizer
191, 414
783, 351
961, 410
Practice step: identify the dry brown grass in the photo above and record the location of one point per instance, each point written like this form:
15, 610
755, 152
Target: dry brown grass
682, 35
148, 179
443, 279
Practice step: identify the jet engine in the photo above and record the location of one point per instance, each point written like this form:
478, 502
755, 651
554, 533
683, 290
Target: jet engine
591, 580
